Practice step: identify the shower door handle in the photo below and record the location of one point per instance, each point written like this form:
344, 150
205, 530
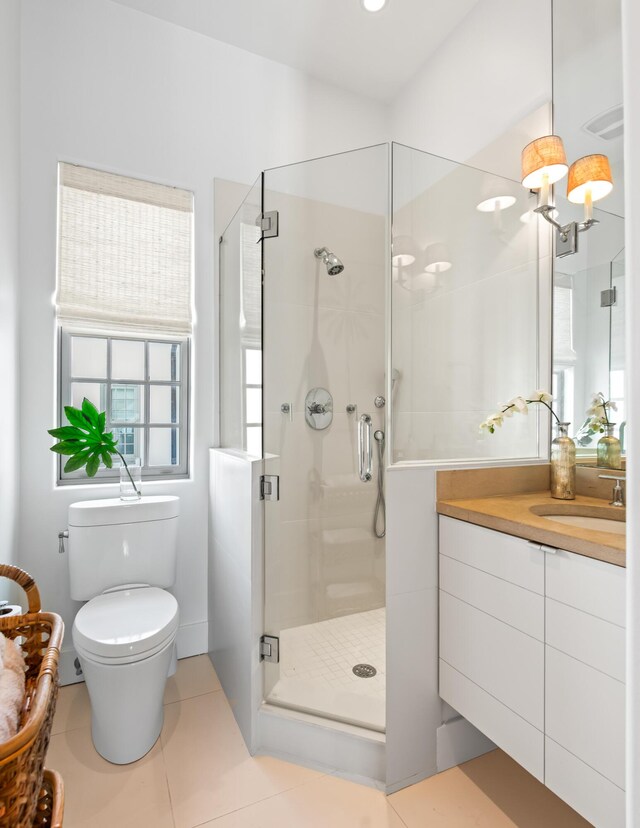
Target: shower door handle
365, 448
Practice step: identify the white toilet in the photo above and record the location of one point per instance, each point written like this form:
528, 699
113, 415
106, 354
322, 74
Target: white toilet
122, 556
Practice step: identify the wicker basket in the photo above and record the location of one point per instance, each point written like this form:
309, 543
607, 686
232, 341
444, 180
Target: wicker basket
50, 802
22, 757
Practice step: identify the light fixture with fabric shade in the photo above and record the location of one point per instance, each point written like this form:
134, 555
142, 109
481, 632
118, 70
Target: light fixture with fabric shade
589, 181
543, 157
544, 163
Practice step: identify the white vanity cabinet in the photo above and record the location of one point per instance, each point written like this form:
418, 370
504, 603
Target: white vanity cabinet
492, 636
584, 692
532, 653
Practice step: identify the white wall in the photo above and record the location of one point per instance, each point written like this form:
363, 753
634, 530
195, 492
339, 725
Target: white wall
492, 71
9, 259
109, 87
631, 65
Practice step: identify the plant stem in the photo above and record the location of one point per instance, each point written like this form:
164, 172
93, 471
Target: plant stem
546, 406
124, 463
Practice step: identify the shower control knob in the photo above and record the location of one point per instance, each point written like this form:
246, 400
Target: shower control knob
318, 409
379, 401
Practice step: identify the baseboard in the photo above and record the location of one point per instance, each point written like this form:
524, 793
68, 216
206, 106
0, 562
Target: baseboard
191, 640
459, 741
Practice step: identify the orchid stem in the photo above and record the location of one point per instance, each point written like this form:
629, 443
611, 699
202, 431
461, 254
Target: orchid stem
546, 405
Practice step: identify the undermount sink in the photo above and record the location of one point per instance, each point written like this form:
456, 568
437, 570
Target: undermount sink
596, 518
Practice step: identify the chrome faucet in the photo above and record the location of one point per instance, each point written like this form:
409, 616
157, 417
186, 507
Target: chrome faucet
618, 491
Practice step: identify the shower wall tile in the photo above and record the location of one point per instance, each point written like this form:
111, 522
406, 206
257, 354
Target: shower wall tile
293, 274
310, 347
310, 561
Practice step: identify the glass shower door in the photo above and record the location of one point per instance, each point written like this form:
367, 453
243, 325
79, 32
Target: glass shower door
324, 366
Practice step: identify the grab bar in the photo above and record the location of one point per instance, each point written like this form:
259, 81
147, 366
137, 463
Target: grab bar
365, 449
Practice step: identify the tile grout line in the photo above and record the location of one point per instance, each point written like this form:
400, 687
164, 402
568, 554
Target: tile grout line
265, 798
395, 811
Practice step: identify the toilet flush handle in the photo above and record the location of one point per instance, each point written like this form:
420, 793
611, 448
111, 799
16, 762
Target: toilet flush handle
62, 536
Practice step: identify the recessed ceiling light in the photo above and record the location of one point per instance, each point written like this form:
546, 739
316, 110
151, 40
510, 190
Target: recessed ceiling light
373, 5
500, 202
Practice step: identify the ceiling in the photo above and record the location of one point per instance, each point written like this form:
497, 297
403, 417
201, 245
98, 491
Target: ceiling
333, 40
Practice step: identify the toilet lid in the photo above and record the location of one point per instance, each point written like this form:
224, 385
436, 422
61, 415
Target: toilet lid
127, 622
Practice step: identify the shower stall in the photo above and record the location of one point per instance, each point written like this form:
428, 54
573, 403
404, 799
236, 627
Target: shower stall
344, 355
303, 386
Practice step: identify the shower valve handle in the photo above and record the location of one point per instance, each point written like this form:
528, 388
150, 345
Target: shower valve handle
317, 408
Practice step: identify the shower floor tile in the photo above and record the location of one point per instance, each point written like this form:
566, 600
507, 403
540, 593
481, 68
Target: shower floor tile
316, 669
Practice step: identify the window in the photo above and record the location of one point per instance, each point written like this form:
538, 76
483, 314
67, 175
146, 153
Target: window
124, 308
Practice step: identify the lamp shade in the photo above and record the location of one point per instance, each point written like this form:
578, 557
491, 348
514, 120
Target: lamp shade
591, 173
436, 258
404, 251
544, 156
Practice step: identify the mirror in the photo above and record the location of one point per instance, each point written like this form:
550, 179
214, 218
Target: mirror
589, 286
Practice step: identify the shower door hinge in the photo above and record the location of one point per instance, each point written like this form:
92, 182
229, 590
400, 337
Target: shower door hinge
268, 223
269, 487
270, 648
608, 298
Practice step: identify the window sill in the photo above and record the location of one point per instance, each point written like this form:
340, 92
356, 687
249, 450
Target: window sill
85, 484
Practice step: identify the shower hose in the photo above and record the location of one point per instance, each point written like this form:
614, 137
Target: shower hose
380, 513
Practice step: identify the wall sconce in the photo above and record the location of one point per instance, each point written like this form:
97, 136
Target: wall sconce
544, 163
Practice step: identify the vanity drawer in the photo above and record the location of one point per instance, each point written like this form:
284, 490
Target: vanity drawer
518, 738
584, 713
589, 793
513, 559
595, 642
516, 606
588, 585
501, 660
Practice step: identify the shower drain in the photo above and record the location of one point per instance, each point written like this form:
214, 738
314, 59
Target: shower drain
364, 670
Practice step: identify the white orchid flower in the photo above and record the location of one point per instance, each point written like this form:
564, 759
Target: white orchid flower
612, 405
542, 396
506, 409
520, 405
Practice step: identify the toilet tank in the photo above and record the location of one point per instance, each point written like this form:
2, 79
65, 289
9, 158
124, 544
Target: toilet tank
112, 543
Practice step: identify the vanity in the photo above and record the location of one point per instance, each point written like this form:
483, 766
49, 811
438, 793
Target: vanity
532, 632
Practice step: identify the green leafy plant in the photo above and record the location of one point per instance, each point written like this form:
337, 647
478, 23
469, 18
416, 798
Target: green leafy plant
85, 440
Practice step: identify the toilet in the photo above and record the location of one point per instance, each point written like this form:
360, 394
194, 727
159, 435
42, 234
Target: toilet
122, 558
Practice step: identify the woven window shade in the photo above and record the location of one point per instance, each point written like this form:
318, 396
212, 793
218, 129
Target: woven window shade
251, 299
124, 253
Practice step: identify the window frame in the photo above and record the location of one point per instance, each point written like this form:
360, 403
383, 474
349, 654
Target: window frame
65, 378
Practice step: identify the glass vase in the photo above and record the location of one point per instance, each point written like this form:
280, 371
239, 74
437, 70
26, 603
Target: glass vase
563, 464
130, 481
609, 450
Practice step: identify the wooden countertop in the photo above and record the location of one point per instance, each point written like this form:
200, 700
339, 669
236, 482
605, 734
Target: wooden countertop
516, 515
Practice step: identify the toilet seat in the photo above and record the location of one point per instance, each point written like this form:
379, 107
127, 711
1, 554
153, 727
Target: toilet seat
126, 625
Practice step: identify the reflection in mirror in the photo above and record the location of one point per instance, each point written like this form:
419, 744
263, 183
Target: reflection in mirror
589, 286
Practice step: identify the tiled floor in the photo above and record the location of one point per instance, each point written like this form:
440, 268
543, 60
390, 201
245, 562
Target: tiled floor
201, 774
316, 669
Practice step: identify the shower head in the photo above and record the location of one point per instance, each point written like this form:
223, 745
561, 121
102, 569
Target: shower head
332, 262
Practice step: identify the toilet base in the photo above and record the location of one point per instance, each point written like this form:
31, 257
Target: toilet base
127, 704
